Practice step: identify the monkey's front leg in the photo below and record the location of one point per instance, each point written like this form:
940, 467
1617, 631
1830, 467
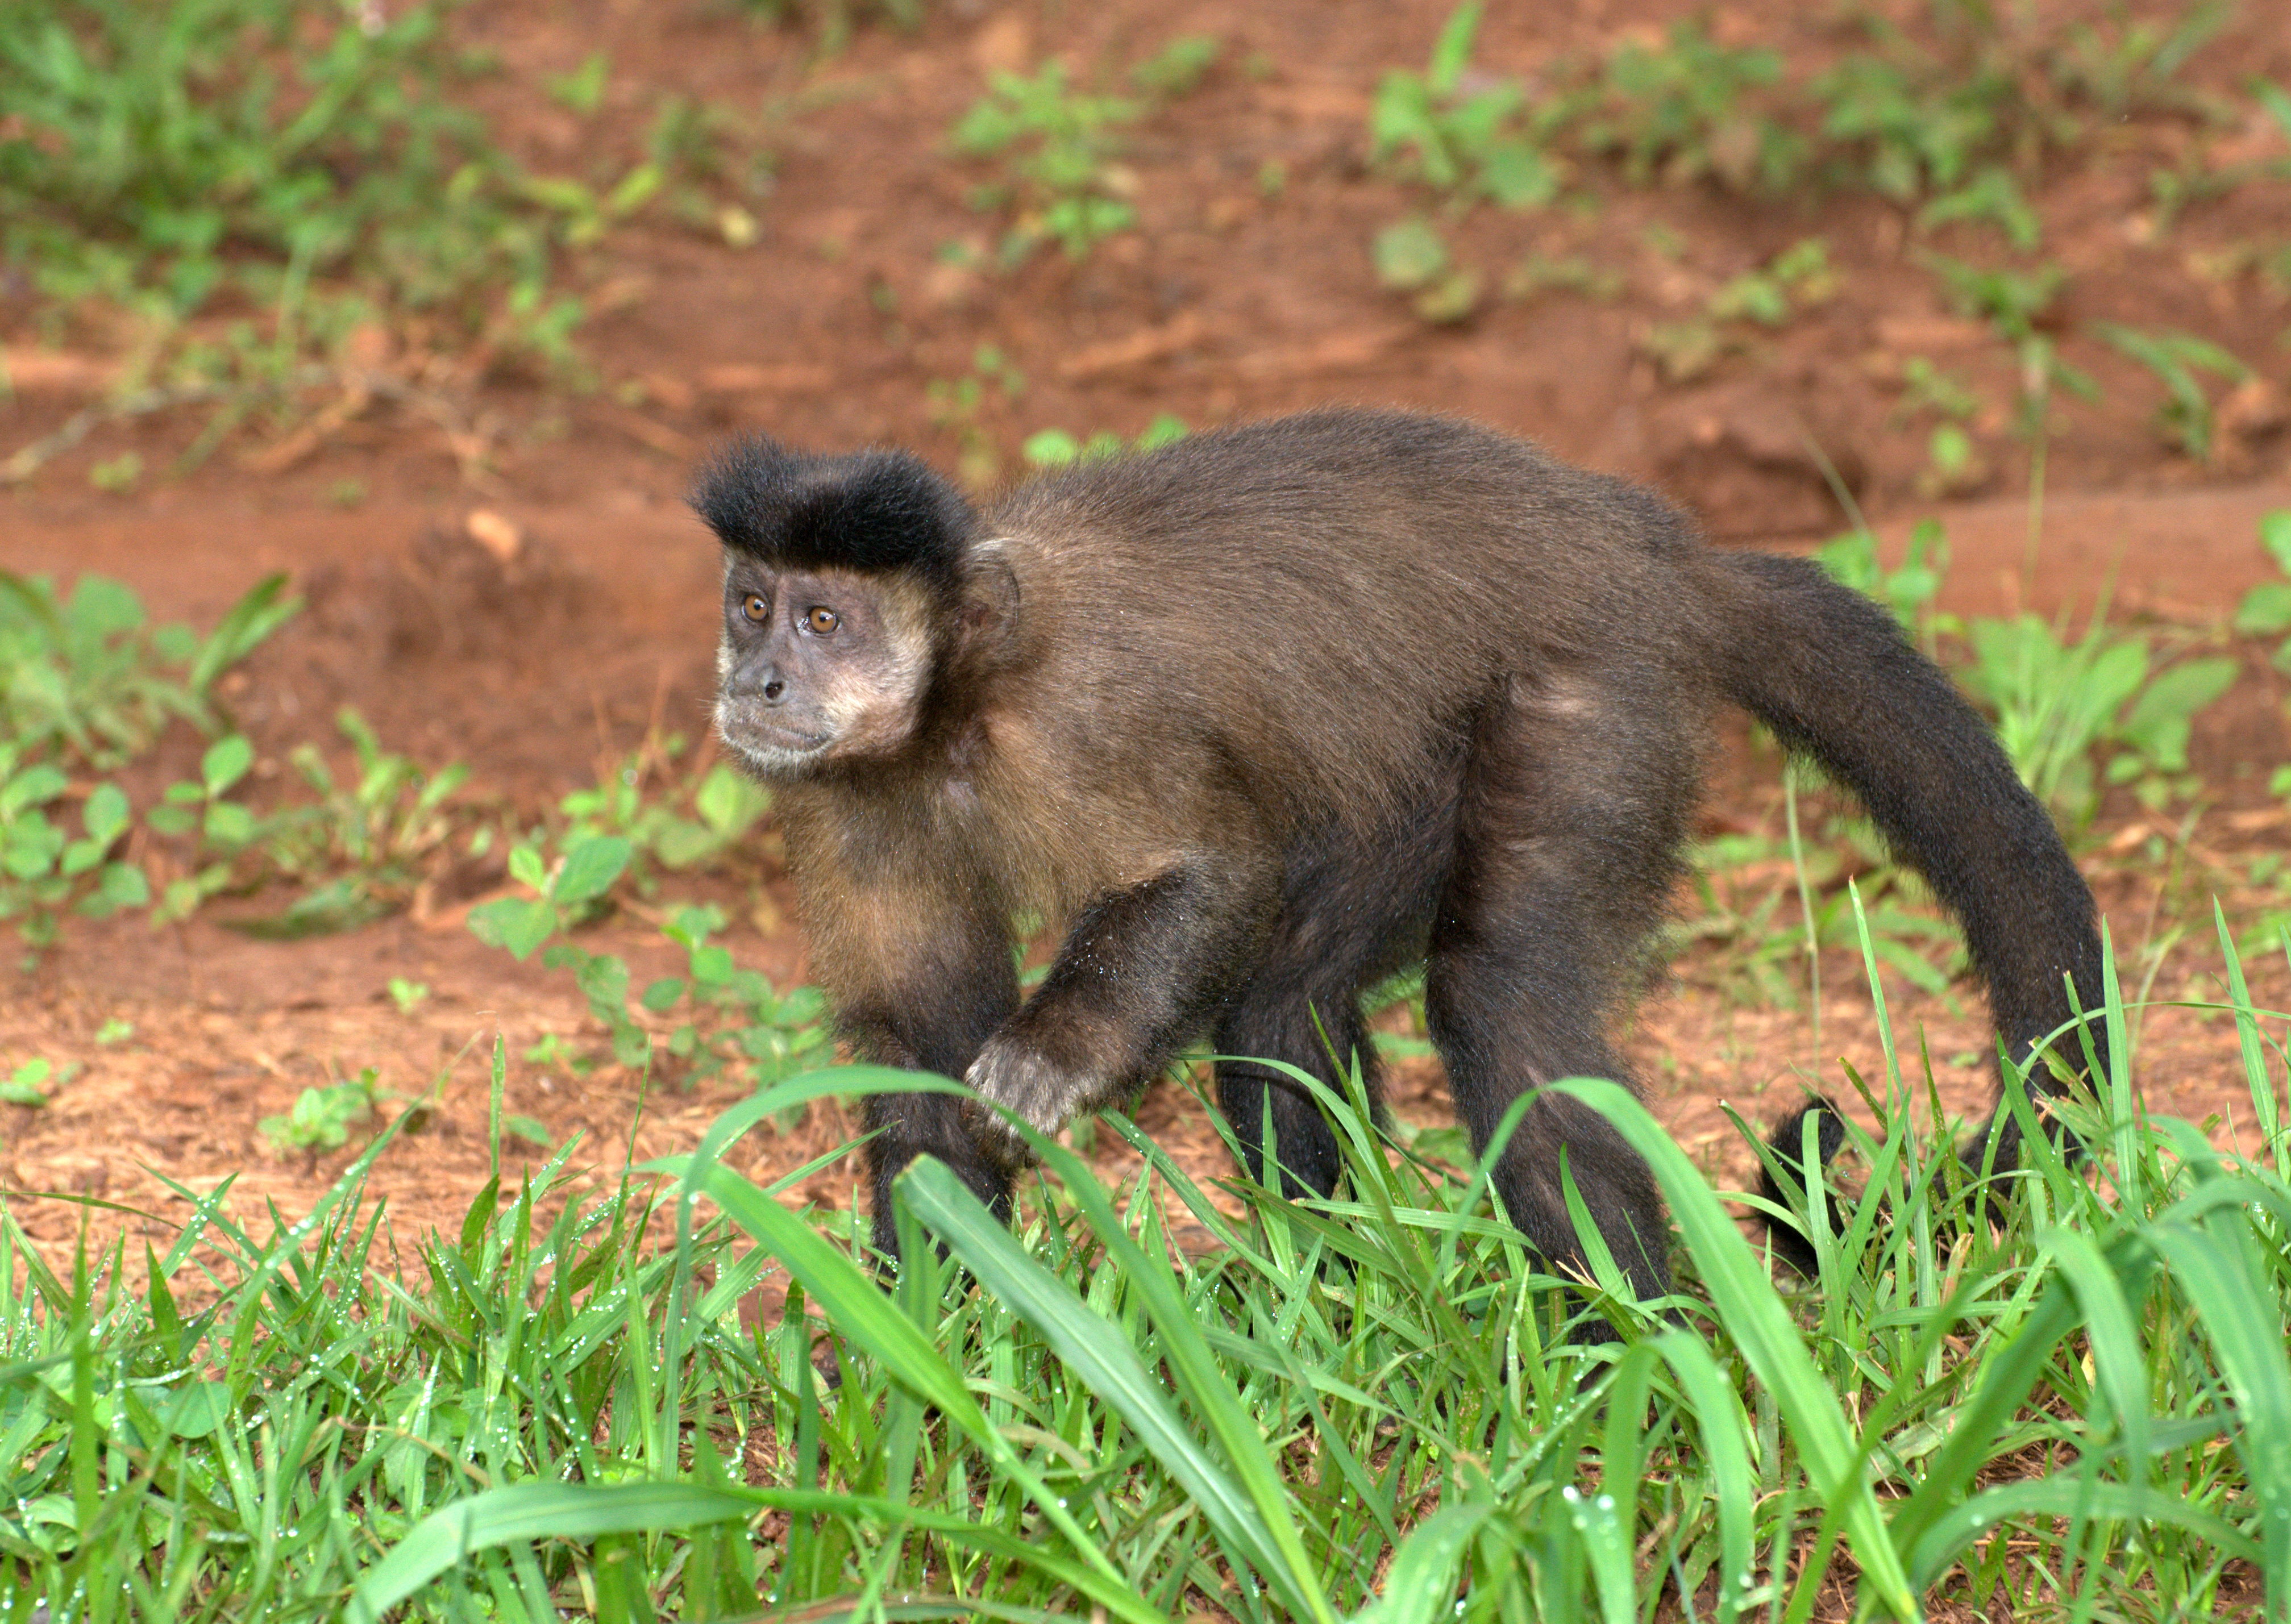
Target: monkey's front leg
1141, 971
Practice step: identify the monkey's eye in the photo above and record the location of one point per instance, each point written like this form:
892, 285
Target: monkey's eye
822, 621
755, 609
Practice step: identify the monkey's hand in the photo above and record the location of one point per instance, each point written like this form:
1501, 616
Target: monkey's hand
1041, 1093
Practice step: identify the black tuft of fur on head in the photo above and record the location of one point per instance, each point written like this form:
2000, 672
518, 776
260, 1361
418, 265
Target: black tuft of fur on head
875, 512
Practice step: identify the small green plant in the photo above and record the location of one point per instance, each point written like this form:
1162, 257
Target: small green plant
1768, 295
27, 1084
118, 476
724, 806
956, 406
1953, 460
2265, 610
1412, 258
219, 828
1903, 124
735, 1018
2185, 420
321, 1119
1059, 147
1179, 68
2064, 709
407, 995
564, 893
1800, 276
89, 675
836, 20
1057, 449
1576, 273
2013, 302
582, 91
303, 160
362, 846
1992, 197
1694, 109
1473, 142
44, 869
732, 1018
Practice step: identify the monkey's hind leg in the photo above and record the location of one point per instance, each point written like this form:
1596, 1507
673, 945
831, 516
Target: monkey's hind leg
1282, 1027
1352, 911
1574, 802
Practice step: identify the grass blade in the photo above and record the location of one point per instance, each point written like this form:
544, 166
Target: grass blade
1751, 1309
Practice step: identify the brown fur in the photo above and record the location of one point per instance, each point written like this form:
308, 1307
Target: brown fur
1258, 718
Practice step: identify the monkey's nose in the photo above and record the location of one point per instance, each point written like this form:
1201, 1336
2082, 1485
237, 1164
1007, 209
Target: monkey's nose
774, 689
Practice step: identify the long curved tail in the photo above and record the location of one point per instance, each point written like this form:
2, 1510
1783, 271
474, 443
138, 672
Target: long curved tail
1834, 679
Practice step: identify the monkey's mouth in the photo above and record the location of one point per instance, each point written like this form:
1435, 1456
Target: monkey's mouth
766, 739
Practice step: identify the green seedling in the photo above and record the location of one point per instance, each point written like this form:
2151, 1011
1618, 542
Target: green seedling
118, 476
2065, 709
2129, 64
1991, 197
582, 91
734, 1020
836, 20
2185, 420
2265, 610
2012, 301
221, 828
1472, 143
583, 873
88, 675
44, 869
1799, 276
1179, 68
956, 407
1904, 126
321, 1119
407, 995
725, 806
27, 1084
1411, 257
1692, 109
1576, 273
1953, 460
1059, 147
1953, 463
304, 163
1926, 388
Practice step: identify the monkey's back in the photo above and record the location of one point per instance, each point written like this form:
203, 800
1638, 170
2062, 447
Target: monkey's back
1367, 581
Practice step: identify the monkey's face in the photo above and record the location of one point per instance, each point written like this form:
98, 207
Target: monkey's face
818, 665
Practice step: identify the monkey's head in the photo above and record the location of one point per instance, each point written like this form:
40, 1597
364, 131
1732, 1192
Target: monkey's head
850, 582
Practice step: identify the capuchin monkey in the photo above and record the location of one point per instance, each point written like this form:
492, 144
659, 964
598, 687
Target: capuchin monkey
1263, 717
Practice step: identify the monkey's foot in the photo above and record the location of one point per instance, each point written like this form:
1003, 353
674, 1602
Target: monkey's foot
1038, 1091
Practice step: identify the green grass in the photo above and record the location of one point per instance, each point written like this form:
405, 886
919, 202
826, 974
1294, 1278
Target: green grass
1367, 1408
266, 193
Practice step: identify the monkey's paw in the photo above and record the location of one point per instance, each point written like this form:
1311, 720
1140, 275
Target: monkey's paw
1027, 1083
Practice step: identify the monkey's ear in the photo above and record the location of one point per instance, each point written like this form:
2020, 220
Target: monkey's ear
987, 616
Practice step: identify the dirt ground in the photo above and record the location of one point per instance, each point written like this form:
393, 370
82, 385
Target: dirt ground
1235, 298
